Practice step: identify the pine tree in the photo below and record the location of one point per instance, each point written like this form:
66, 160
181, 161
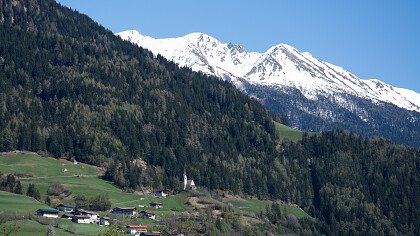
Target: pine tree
11, 182
30, 190
18, 188
33, 192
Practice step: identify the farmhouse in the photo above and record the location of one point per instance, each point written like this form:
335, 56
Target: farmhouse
136, 229
189, 184
92, 215
65, 208
125, 210
82, 219
47, 213
148, 214
156, 205
161, 193
104, 221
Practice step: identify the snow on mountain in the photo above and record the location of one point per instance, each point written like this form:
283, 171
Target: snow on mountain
281, 66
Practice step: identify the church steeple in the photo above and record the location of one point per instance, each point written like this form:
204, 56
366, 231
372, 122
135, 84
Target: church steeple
185, 179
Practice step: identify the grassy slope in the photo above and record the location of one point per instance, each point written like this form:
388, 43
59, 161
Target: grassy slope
32, 228
10, 202
66, 227
87, 184
90, 185
37, 166
256, 206
289, 134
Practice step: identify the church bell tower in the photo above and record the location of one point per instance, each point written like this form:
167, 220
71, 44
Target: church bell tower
185, 179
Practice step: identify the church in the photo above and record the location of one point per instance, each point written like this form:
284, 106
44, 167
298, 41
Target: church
189, 184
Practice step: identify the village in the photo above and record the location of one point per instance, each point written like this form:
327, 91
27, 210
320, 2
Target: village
81, 216
62, 199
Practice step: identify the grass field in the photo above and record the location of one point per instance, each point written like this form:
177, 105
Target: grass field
37, 166
173, 204
45, 171
10, 202
87, 184
289, 134
65, 227
79, 229
32, 228
256, 206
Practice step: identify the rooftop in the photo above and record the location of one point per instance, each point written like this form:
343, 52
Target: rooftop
47, 211
148, 212
137, 226
125, 208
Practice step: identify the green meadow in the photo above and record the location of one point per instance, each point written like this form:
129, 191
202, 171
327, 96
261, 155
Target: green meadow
289, 134
33, 165
82, 179
256, 206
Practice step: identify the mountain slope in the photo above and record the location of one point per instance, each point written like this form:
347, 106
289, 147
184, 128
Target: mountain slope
297, 84
73, 88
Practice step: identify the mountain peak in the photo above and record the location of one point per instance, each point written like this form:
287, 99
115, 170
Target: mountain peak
281, 66
133, 33
198, 37
282, 46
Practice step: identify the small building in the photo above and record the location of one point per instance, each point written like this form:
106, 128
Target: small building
148, 214
104, 220
156, 205
67, 216
132, 211
161, 193
92, 215
136, 229
65, 208
81, 219
189, 184
47, 213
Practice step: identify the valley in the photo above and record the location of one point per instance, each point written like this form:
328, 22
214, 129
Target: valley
82, 179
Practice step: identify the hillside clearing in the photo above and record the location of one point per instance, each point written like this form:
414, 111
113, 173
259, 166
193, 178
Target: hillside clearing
289, 134
34, 165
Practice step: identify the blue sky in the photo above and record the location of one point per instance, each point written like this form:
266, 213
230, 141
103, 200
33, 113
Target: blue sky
373, 39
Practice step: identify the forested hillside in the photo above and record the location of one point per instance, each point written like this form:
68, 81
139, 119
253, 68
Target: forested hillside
359, 186
72, 88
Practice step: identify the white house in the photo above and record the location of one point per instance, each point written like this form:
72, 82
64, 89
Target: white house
148, 214
156, 205
47, 213
189, 184
136, 229
82, 219
104, 221
94, 217
161, 193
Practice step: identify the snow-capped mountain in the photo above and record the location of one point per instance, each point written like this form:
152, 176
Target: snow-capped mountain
280, 66
315, 95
